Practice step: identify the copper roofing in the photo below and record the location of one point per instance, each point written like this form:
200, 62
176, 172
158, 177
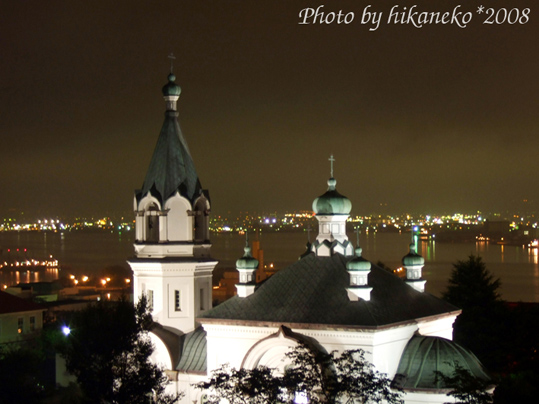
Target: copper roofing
424, 355
313, 291
194, 352
171, 168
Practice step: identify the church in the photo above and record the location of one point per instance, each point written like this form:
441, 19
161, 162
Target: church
331, 295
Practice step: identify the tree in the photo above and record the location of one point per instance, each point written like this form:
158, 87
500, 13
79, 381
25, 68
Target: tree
465, 387
318, 376
484, 322
471, 285
336, 378
243, 386
20, 382
109, 349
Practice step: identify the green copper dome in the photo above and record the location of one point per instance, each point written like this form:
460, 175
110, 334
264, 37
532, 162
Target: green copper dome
332, 203
423, 355
358, 263
247, 261
171, 88
412, 258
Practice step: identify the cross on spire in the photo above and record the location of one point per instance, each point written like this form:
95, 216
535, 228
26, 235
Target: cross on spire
412, 244
172, 58
331, 161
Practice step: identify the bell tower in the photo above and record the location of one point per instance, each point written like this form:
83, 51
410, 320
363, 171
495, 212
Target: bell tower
172, 265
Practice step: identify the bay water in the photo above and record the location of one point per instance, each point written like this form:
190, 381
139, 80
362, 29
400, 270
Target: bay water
86, 252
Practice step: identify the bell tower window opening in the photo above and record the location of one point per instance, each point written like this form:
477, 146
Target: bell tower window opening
201, 220
152, 223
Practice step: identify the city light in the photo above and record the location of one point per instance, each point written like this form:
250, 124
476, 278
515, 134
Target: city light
66, 330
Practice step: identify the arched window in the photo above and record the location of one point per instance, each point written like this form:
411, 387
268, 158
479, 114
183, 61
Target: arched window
201, 213
152, 223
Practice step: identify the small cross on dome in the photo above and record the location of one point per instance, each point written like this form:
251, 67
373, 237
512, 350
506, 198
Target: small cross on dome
331, 160
172, 58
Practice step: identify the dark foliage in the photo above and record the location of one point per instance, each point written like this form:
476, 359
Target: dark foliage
108, 351
465, 387
243, 386
484, 319
20, 381
471, 285
321, 377
502, 335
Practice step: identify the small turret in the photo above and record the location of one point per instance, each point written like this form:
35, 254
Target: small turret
246, 266
413, 263
359, 269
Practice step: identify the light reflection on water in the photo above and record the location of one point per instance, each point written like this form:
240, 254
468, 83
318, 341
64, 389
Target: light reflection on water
87, 252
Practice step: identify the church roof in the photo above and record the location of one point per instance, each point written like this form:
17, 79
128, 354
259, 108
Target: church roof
313, 291
171, 168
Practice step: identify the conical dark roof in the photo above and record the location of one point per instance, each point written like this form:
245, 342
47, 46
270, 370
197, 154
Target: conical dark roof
171, 168
313, 291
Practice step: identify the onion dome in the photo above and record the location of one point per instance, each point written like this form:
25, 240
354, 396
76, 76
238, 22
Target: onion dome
358, 263
247, 261
171, 88
424, 355
413, 258
332, 203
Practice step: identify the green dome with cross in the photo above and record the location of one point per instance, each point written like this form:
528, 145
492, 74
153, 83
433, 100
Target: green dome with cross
332, 202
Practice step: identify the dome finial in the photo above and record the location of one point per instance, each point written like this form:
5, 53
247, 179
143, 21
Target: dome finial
171, 91
331, 161
172, 58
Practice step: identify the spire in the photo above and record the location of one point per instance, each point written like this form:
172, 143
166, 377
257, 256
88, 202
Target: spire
171, 169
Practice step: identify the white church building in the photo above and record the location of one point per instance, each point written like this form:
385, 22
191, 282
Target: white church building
332, 296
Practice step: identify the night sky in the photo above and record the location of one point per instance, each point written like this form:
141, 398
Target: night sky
434, 119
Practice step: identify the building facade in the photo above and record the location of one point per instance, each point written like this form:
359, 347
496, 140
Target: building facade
332, 296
